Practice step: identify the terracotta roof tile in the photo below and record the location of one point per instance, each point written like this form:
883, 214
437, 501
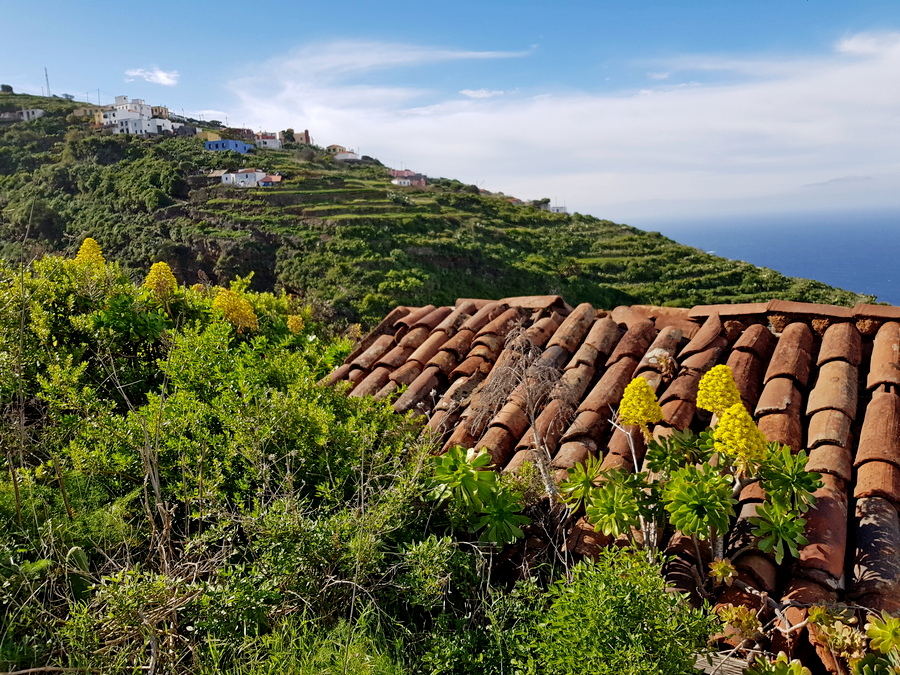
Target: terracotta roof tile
376, 350
879, 438
499, 442
429, 348
543, 329
432, 319
742, 309
809, 309
372, 383
588, 423
831, 459
600, 341
609, 389
480, 318
634, 343
339, 373
783, 428
460, 344
407, 373
747, 370
404, 323
572, 331
396, 357
504, 323
678, 414
836, 387
878, 479
706, 337
792, 354
885, 364
538, 302
876, 569
387, 325
414, 337
887, 312
822, 560
707, 358
828, 427
841, 341
757, 339
574, 452
668, 317
683, 387
661, 350
455, 319
780, 394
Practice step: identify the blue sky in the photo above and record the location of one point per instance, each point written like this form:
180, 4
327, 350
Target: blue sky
640, 112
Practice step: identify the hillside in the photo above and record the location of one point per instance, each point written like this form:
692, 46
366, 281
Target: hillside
341, 236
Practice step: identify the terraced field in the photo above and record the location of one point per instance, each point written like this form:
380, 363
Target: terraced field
339, 235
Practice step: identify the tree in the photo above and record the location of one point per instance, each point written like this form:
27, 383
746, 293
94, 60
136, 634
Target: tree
6, 89
288, 136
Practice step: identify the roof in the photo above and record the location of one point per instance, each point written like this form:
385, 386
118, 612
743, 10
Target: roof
274, 178
817, 377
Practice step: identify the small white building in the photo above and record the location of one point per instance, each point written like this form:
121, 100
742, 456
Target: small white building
140, 125
243, 177
402, 182
137, 105
344, 156
268, 139
30, 114
558, 209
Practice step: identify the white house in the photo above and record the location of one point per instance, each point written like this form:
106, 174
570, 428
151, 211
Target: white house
344, 156
558, 209
30, 114
268, 139
402, 182
243, 177
140, 125
137, 105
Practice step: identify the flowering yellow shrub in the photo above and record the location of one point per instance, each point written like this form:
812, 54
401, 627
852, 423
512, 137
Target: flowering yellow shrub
160, 281
90, 253
737, 436
717, 391
295, 323
237, 310
639, 405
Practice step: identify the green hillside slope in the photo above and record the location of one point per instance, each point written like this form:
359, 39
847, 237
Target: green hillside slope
340, 236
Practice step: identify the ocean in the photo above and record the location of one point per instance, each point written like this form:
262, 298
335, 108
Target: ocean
858, 252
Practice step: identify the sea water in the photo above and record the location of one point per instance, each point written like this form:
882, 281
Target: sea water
855, 251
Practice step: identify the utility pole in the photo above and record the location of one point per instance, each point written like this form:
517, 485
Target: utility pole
47, 77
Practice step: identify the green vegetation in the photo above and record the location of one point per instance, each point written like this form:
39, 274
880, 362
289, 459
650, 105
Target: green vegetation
340, 236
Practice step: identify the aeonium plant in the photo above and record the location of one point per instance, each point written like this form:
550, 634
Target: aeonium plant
692, 481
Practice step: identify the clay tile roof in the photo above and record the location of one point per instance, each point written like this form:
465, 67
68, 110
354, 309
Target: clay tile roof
820, 378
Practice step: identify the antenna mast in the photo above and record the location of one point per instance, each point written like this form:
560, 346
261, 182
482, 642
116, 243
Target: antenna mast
47, 77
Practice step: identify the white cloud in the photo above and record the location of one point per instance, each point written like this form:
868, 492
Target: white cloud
747, 144
658, 76
168, 78
480, 93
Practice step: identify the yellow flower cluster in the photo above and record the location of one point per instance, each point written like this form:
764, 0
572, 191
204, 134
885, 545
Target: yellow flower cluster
717, 391
237, 310
295, 323
160, 281
736, 435
639, 405
90, 253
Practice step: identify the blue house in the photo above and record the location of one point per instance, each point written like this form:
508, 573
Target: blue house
237, 146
